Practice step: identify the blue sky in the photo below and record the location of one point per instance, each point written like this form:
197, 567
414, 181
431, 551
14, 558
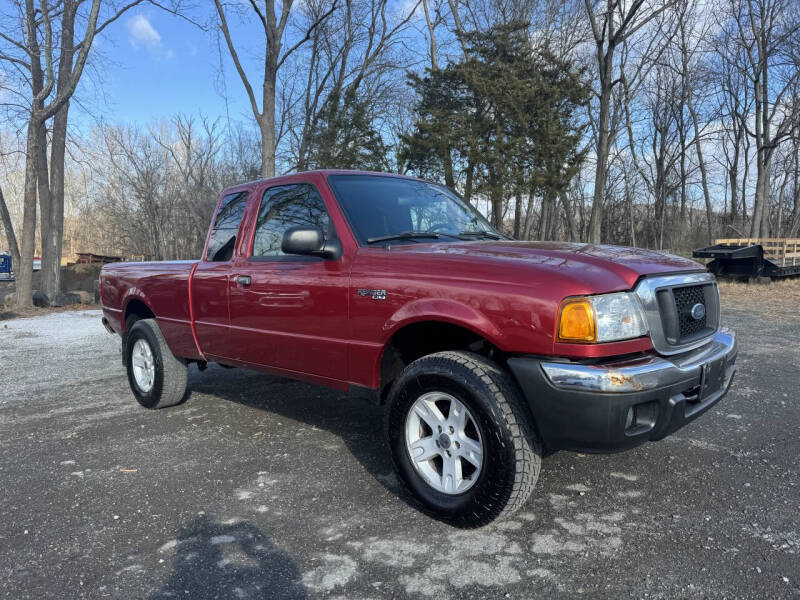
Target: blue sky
152, 65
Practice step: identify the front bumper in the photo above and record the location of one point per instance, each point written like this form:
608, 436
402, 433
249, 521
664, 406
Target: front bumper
613, 406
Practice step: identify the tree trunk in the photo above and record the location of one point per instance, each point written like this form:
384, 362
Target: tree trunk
8, 227
760, 212
446, 158
468, 182
53, 239
682, 229
765, 209
24, 269
781, 200
37, 161
267, 121
572, 226
745, 176
53, 245
547, 221
698, 146
733, 177
496, 197
497, 209
449, 175
795, 219
603, 143
733, 170
759, 225
45, 204
518, 214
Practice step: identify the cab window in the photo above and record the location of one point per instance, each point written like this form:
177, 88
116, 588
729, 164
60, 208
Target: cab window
295, 205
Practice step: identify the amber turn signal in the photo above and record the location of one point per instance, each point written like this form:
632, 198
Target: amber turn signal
576, 321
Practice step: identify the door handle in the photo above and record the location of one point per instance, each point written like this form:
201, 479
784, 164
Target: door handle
243, 280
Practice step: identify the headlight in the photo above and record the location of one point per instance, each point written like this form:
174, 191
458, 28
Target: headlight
604, 318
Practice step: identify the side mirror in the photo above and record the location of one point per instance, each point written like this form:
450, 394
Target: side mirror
310, 241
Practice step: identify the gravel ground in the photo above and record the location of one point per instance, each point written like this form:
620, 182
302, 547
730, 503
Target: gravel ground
260, 487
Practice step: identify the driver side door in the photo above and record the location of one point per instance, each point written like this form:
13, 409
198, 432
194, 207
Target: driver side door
289, 312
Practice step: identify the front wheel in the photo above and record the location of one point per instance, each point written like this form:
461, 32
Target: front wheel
461, 439
156, 376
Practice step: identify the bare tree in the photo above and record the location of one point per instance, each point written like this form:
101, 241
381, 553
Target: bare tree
152, 192
354, 60
274, 27
767, 34
52, 70
735, 100
692, 46
612, 22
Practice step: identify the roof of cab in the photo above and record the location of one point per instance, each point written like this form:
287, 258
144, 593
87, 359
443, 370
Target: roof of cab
324, 172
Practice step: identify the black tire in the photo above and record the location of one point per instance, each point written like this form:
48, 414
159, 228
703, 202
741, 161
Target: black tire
512, 452
170, 372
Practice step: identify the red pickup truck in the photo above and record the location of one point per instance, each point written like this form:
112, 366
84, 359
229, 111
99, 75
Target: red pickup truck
487, 352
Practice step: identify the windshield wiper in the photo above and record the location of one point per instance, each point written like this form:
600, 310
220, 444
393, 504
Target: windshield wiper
480, 234
403, 235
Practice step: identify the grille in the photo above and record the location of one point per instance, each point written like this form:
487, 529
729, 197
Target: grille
685, 299
667, 301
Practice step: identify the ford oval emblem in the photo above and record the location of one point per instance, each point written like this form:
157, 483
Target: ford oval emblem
698, 311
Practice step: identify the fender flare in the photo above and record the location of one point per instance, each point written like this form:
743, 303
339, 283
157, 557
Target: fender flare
440, 310
436, 310
132, 294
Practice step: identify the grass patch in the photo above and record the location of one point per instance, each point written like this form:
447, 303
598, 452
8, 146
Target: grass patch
779, 298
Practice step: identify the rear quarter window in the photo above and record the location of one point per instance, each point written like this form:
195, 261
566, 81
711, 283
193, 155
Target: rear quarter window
226, 227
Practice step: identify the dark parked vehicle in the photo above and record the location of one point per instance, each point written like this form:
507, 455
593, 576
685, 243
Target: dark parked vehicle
6, 274
487, 352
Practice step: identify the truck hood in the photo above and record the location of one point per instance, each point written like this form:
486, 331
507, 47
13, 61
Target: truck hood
594, 265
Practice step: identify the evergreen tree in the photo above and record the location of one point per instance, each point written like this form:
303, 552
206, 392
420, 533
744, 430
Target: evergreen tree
505, 114
345, 137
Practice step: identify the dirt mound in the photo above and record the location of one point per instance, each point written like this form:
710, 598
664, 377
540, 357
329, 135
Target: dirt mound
80, 277
73, 278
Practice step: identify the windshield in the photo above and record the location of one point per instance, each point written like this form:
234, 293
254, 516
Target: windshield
380, 207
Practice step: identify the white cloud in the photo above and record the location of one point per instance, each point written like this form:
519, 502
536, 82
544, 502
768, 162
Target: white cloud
142, 33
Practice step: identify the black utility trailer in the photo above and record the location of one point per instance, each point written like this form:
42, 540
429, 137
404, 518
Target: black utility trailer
753, 257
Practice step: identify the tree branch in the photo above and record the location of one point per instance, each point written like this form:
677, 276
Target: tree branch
235, 56
309, 31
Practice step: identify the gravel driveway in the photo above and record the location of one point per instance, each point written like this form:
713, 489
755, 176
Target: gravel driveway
260, 487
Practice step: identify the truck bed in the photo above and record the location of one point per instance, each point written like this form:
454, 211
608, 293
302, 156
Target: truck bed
165, 284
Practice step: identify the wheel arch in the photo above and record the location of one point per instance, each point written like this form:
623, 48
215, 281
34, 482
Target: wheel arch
135, 306
421, 336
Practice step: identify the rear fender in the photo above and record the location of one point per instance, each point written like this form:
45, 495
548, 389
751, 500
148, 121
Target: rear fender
131, 294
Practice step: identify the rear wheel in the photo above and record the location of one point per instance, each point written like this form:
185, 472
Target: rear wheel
461, 439
156, 376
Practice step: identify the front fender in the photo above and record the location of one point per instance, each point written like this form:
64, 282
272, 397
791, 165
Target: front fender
446, 311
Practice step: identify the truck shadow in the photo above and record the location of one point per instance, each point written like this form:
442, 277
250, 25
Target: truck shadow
214, 560
358, 422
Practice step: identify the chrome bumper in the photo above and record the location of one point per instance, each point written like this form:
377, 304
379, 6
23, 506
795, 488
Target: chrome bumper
646, 372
